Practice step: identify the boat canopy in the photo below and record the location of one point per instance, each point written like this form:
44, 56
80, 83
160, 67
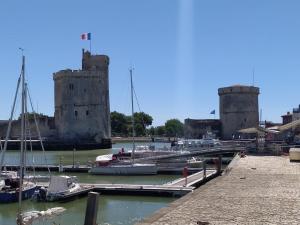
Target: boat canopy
104, 158
2, 184
292, 125
8, 174
253, 130
59, 183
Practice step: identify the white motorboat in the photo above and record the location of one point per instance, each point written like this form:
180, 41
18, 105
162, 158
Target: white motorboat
194, 163
59, 187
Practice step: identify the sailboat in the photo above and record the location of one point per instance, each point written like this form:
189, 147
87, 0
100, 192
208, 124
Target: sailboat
108, 165
13, 187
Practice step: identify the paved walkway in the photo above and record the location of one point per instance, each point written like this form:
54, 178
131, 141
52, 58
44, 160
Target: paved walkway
257, 190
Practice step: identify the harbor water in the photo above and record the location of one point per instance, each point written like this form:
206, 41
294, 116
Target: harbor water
113, 209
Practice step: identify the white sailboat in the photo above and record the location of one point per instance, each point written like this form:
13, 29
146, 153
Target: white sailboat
109, 166
16, 187
13, 187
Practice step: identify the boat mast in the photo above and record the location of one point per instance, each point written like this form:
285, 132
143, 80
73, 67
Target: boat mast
9, 124
132, 116
22, 134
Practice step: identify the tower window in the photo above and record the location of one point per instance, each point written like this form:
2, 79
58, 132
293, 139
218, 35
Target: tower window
76, 113
71, 86
87, 112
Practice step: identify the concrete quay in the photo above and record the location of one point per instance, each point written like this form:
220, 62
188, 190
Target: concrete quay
252, 190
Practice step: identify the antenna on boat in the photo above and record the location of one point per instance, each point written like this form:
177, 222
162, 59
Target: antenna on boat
253, 76
132, 115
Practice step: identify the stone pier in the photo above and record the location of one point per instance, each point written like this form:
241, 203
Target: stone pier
255, 190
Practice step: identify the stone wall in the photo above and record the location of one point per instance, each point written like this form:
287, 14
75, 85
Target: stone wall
195, 129
45, 123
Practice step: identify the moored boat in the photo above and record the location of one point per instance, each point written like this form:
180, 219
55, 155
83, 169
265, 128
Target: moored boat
13, 186
59, 188
10, 190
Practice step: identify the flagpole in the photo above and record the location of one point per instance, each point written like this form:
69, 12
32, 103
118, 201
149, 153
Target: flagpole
91, 45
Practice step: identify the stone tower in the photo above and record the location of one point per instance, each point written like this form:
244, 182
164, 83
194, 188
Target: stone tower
238, 108
82, 112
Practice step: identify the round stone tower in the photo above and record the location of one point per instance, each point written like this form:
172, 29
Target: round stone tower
238, 108
82, 112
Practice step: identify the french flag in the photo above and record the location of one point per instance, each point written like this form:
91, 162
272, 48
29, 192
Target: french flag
86, 36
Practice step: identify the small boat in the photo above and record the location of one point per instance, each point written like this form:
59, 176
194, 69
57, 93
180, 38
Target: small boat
9, 185
59, 188
28, 218
194, 163
9, 191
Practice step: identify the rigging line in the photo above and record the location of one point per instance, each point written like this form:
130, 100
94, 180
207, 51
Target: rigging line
25, 129
38, 130
137, 102
30, 139
9, 123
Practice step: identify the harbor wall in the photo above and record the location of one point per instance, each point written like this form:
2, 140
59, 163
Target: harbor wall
196, 128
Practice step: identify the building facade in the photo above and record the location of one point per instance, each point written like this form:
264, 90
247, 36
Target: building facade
287, 118
296, 113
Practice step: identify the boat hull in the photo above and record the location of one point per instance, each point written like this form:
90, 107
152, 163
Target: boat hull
134, 169
13, 196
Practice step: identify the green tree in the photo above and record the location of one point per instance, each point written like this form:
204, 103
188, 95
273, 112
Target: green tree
143, 118
160, 131
151, 131
141, 122
174, 128
119, 123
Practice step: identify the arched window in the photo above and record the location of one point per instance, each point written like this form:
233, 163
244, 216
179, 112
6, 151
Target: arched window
71, 86
75, 113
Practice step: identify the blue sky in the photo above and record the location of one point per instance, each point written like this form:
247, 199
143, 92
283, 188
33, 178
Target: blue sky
182, 51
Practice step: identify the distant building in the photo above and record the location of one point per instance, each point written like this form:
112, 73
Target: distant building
196, 128
296, 113
290, 117
238, 109
287, 118
268, 124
